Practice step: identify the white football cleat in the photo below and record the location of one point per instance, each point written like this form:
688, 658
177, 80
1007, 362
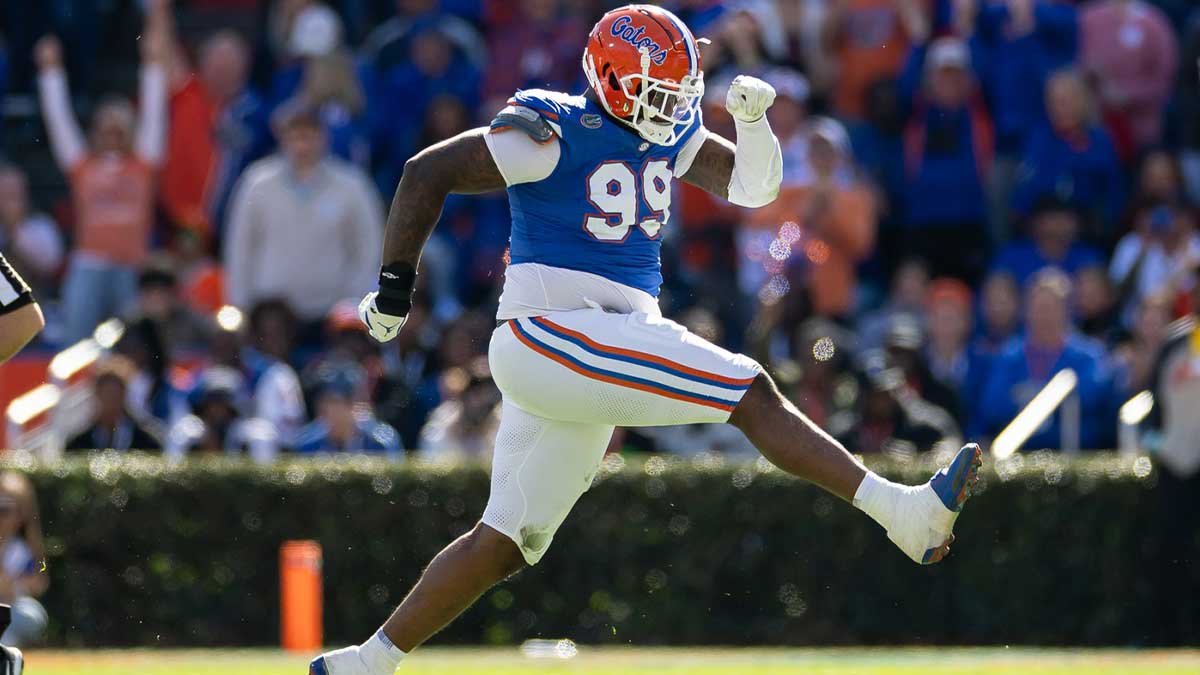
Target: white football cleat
923, 522
346, 661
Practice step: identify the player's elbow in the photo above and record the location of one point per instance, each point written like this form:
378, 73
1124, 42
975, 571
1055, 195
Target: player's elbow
18, 328
423, 171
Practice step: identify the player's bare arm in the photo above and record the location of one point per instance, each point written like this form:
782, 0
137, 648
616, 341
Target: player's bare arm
459, 165
713, 166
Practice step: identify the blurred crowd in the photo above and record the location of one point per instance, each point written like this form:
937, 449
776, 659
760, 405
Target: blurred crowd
977, 194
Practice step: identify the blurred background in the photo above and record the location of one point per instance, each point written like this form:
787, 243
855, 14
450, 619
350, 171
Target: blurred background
979, 195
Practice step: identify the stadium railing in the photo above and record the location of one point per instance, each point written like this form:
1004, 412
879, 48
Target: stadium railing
1058, 392
1129, 418
42, 419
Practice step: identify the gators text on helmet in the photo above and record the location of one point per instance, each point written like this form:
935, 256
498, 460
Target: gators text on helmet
643, 65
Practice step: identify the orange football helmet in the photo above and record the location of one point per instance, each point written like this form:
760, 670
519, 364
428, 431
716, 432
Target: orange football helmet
644, 65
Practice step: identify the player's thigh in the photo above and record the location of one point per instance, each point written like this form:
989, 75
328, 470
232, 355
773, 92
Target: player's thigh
621, 369
540, 467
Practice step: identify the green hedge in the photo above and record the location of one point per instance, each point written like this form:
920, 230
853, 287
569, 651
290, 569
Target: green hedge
663, 551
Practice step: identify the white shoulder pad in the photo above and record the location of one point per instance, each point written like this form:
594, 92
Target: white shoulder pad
520, 158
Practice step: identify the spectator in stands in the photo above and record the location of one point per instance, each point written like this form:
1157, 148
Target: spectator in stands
1096, 305
1019, 43
1129, 47
827, 226
1157, 257
408, 388
819, 372
1171, 431
908, 291
1135, 359
1054, 229
868, 41
158, 299
465, 424
323, 75
879, 147
537, 47
31, 241
948, 148
23, 575
999, 313
331, 85
903, 351
217, 423
112, 178
789, 121
436, 66
951, 360
465, 338
892, 419
389, 44
154, 398
1187, 94
342, 423
1049, 345
267, 387
1159, 178
302, 210
218, 126
1072, 158
112, 427
346, 347
265, 363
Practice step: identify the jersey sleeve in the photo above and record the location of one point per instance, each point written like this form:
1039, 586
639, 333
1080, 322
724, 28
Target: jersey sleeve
521, 159
524, 137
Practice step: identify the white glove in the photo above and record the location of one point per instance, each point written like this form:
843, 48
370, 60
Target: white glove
749, 98
382, 327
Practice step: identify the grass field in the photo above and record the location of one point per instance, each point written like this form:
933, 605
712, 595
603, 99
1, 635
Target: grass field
639, 661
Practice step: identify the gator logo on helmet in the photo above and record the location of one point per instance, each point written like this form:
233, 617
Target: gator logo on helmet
623, 29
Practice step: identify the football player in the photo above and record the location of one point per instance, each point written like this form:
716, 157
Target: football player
20, 317
582, 346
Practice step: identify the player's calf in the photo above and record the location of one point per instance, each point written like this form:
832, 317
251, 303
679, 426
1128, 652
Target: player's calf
918, 519
455, 578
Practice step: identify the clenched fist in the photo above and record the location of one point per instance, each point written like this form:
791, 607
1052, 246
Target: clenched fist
749, 98
382, 327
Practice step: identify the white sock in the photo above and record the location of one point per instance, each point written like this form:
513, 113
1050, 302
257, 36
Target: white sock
878, 497
380, 655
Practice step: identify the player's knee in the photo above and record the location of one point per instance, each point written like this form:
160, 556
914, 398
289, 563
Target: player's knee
498, 548
761, 397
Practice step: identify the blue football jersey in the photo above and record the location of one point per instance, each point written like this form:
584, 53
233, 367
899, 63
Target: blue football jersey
603, 207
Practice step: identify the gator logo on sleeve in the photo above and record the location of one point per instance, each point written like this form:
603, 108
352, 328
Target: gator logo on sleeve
591, 121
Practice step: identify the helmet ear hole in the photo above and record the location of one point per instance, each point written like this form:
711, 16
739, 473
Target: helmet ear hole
612, 80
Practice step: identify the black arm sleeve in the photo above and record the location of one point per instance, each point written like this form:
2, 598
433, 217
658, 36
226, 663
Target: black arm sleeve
14, 292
